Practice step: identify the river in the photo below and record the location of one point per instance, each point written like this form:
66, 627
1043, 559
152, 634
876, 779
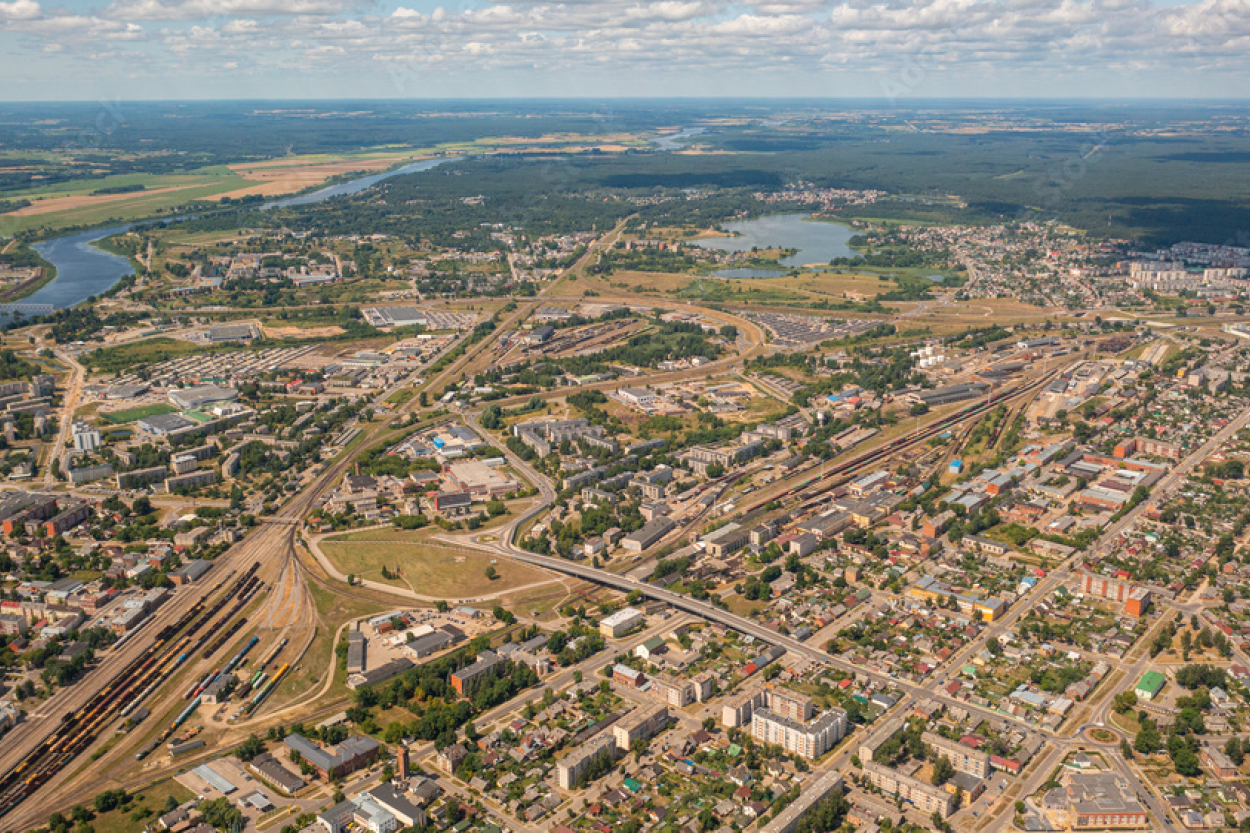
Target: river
673, 140
84, 271
817, 242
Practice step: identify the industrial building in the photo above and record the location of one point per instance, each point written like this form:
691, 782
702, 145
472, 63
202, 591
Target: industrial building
648, 534
350, 755
620, 623
488, 666
201, 395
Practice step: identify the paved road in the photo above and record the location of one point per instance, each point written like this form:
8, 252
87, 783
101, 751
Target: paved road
69, 403
500, 541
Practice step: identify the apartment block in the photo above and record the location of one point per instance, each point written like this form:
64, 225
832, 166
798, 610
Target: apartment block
736, 711
963, 758
811, 740
643, 722
926, 797
790, 704
672, 691
571, 770
1136, 599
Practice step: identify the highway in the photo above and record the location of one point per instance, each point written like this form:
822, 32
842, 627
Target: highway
501, 542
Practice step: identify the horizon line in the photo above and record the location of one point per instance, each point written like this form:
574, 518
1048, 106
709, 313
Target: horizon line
1188, 100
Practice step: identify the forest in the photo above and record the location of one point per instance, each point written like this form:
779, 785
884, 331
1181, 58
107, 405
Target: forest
1155, 173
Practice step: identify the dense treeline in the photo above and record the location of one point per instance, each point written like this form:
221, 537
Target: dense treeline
221, 132
13, 366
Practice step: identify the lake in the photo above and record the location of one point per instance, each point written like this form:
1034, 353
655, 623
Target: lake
748, 272
817, 242
84, 271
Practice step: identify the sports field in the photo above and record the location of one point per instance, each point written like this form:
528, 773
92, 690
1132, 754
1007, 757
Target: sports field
123, 417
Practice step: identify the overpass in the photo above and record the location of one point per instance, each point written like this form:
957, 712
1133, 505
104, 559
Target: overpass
504, 545
746, 626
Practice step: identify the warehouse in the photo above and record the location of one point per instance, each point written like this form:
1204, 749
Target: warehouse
232, 332
650, 533
214, 780
201, 395
621, 622
945, 396
160, 424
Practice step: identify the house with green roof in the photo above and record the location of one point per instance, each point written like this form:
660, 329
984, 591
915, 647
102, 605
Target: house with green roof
1150, 684
652, 646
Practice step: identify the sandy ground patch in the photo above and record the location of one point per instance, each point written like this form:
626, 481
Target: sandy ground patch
302, 332
52, 204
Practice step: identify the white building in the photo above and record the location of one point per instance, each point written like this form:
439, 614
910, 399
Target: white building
86, 437
811, 740
621, 622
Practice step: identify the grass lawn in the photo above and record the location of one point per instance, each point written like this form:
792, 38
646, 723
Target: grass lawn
122, 417
401, 396
152, 800
741, 605
430, 570
415, 536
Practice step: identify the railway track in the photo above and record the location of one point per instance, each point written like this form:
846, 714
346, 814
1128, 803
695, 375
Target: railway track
188, 635
811, 492
174, 648
173, 645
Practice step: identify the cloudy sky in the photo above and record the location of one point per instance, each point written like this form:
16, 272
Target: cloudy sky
153, 49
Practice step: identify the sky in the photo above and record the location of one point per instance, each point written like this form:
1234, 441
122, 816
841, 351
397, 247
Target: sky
86, 50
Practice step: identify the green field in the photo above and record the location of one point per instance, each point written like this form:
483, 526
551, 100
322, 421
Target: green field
138, 206
127, 356
122, 417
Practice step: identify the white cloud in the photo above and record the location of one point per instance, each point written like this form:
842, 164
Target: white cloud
20, 10
720, 39
197, 9
762, 25
670, 10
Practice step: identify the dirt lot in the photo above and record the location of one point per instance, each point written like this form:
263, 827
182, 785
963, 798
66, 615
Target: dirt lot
301, 332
